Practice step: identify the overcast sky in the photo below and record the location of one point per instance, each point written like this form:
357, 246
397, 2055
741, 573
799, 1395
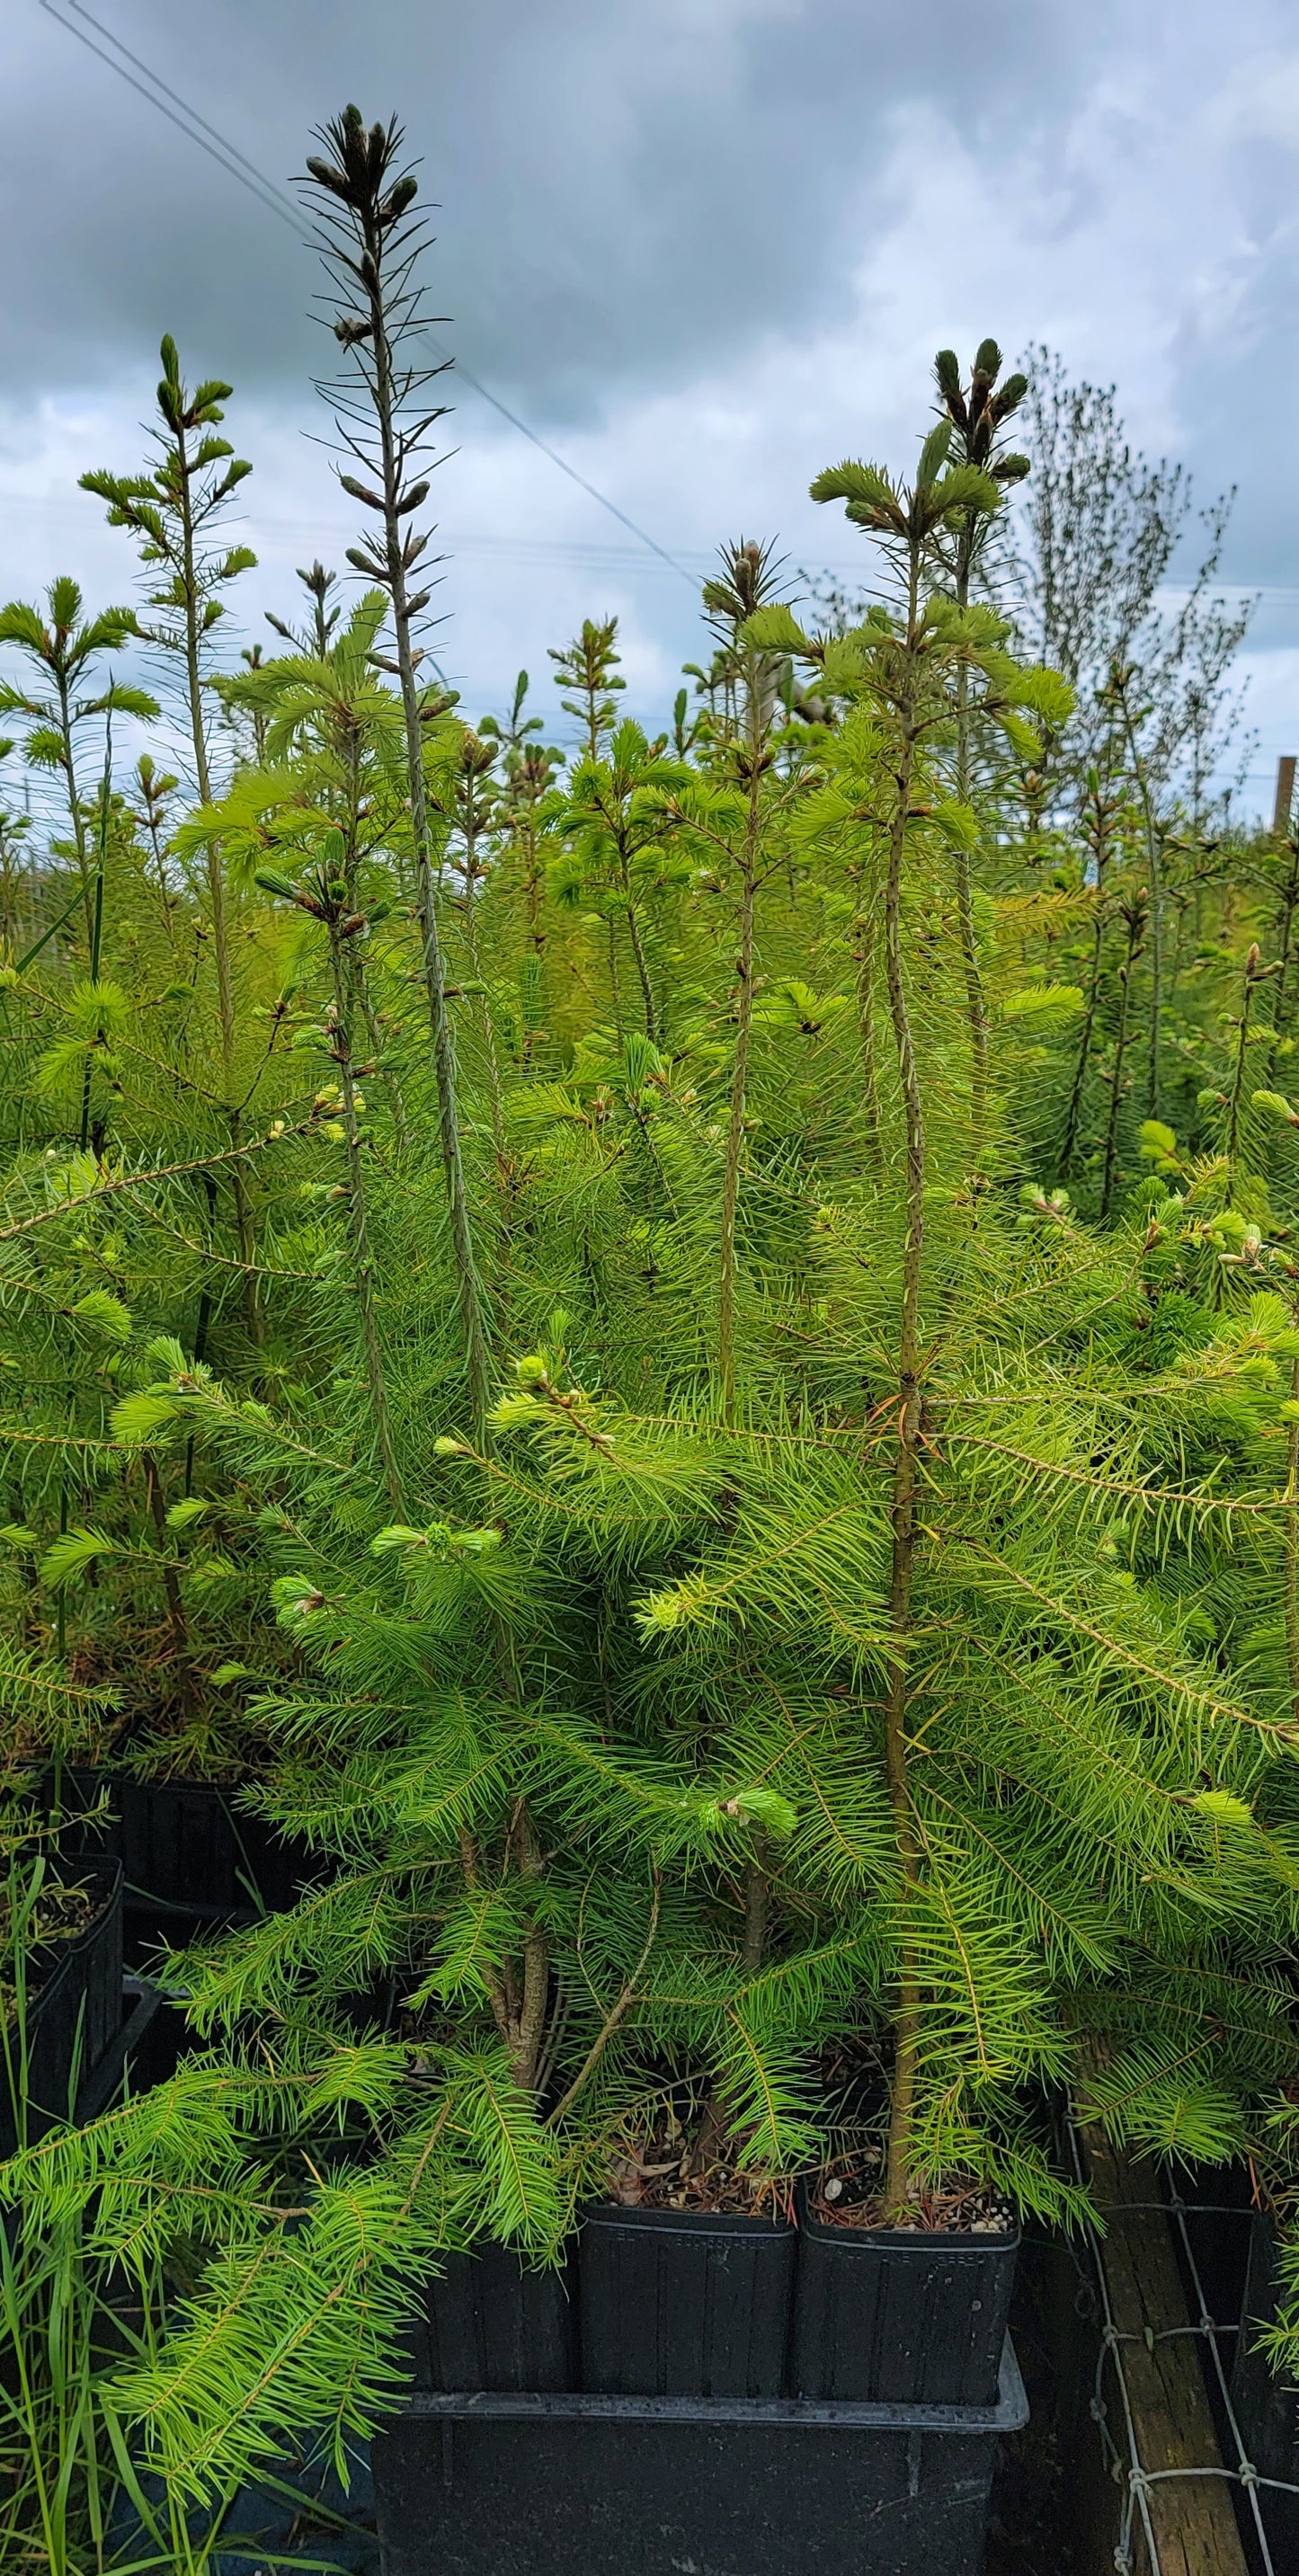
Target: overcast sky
703, 247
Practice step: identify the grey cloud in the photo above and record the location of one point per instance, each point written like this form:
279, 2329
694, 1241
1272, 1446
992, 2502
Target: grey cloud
622, 190
636, 196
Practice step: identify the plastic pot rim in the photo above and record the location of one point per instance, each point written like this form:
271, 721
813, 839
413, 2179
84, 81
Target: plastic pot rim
1008, 2413
688, 2222
904, 2240
106, 1878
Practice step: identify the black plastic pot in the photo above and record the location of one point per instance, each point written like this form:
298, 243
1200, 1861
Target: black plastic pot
679, 2303
899, 2315
626, 2486
133, 2055
489, 2323
73, 2012
191, 1857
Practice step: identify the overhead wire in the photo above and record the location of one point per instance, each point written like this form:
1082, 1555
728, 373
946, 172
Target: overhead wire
277, 198
236, 165
262, 189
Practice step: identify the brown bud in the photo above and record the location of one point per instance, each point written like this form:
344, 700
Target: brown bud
398, 199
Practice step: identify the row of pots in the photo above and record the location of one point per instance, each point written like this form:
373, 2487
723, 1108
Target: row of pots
191, 1856
677, 2303
649, 2301
649, 2305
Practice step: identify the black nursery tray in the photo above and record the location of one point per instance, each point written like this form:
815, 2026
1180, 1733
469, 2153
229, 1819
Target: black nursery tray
497, 2483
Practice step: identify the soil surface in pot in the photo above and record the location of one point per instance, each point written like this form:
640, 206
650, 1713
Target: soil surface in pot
689, 2167
847, 2194
62, 1914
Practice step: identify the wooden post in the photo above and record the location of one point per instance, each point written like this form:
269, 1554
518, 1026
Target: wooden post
1285, 770
1193, 2519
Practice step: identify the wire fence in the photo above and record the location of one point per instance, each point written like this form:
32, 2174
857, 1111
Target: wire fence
1114, 2416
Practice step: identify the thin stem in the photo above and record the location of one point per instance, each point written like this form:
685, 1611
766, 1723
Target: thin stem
137, 1180
472, 875
1154, 857
532, 896
97, 922
1292, 1546
198, 735
532, 881
975, 1000
638, 946
614, 991
530, 2025
907, 2023
866, 946
359, 1229
254, 1316
171, 1588
613, 2018
444, 1063
743, 1032
159, 860
1236, 1096
374, 1036
1100, 844
74, 804
757, 1896
496, 1992
203, 1319
1136, 926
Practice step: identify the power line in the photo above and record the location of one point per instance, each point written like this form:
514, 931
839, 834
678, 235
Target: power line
272, 199
260, 190
564, 466
278, 199
596, 553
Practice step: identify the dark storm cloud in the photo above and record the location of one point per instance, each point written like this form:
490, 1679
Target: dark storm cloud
622, 189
